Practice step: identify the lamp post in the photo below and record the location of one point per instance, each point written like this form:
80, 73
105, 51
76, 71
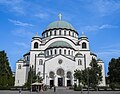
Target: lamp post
31, 69
88, 78
81, 83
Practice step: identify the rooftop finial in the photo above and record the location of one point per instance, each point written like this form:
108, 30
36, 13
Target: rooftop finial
60, 16
36, 33
82, 33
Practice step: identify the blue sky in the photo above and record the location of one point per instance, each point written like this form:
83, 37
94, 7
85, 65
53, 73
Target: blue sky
98, 19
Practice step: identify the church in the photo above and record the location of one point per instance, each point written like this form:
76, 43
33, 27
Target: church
56, 55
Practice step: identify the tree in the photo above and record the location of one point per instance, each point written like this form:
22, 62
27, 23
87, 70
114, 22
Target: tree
6, 77
90, 76
95, 74
114, 72
32, 78
78, 75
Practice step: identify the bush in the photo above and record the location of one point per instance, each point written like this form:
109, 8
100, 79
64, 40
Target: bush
77, 88
112, 86
5, 88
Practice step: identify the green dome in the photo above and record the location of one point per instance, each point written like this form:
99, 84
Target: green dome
60, 44
60, 24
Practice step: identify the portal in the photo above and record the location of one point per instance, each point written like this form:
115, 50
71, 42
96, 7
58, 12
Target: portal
51, 83
60, 81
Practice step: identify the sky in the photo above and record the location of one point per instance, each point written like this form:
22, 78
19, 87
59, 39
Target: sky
98, 19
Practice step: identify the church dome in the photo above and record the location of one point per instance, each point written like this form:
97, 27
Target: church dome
60, 44
60, 24
78, 55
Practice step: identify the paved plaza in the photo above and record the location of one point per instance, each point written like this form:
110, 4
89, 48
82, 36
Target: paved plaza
61, 91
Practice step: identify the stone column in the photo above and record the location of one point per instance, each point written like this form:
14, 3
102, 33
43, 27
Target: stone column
65, 80
55, 80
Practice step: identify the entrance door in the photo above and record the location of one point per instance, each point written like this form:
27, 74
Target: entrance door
68, 82
60, 81
51, 83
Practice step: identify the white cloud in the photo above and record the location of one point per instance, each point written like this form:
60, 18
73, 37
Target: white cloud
17, 6
109, 53
113, 46
16, 22
106, 7
107, 26
22, 44
22, 33
96, 27
42, 15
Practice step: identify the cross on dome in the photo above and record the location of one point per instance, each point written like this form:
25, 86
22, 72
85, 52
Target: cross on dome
82, 33
36, 33
60, 16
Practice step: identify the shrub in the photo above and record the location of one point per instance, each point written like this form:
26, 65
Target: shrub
112, 86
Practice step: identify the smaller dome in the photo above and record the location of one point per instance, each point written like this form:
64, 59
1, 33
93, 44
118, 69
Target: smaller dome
91, 53
41, 54
36, 36
99, 61
78, 55
60, 44
83, 36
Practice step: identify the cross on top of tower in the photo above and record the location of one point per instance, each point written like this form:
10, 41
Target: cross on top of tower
60, 16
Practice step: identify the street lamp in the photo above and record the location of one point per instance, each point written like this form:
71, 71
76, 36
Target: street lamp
31, 69
88, 78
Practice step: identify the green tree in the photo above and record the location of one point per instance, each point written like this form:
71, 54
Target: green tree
95, 73
91, 75
32, 78
6, 77
78, 75
114, 72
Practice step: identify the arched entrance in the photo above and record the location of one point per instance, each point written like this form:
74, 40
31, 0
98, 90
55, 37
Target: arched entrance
69, 74
51, 75
60, 73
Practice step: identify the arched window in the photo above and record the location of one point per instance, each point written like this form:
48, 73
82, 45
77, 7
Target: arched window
47, 34
59, 32
55, 32
51, 52
79, 62
27, 58
19, 66
69, 33
35, 45
51, 74
68, 52
55, 51
40, 62
69, 74
60, 51
72, 52
50, 33
65, 32
84, 45
47, 53
64, 51
60, 72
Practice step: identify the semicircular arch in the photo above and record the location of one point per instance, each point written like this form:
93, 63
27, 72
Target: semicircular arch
59, 39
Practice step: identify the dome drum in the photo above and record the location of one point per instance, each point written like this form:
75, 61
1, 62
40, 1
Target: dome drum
60, 25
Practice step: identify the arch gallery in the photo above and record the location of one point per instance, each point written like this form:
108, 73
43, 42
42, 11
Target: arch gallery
56, 55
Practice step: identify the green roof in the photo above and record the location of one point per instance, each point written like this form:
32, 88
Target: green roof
60, 44
60, 24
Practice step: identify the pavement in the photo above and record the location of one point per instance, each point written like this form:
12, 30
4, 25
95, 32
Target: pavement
59, 91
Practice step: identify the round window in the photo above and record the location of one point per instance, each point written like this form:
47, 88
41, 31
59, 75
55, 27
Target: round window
60, 61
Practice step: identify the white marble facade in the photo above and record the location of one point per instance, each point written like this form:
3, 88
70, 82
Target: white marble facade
56, 55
